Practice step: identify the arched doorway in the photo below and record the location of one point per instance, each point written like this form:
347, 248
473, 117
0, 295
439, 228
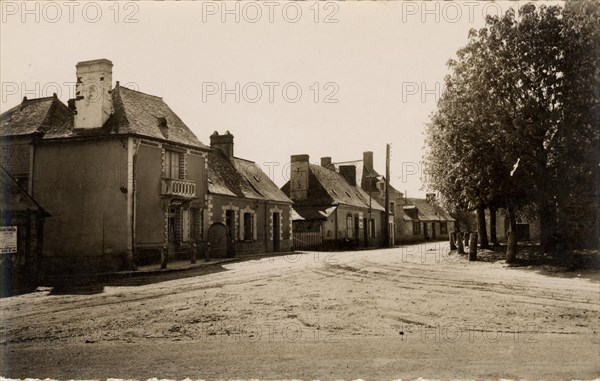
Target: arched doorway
218, 241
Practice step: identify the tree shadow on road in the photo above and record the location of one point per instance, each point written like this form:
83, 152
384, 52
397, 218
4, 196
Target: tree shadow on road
94, 285
568, 264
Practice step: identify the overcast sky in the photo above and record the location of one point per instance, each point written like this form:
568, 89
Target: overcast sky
369, 73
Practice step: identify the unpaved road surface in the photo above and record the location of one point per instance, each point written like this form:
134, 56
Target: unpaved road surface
404, 313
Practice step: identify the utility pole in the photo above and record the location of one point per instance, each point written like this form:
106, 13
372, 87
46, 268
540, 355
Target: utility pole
386, 226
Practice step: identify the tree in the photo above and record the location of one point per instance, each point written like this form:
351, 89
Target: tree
514, 122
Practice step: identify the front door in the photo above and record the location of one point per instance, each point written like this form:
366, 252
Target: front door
276, 233
230, 223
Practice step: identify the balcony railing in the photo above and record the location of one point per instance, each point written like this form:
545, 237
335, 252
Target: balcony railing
178, 188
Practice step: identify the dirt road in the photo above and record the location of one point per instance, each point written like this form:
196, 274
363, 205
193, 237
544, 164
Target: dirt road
405, 313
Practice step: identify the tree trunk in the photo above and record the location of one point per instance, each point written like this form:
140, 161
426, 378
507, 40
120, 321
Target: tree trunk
493, 236
466, 237
473, 247
459, 242
481, 227
452, 240
547, 218
511, 248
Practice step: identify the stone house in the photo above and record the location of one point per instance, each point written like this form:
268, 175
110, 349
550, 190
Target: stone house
331, 206
122, 176
372, 183
244, 205
20, 127
425, 219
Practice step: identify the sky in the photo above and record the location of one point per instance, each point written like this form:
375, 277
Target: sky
318, 78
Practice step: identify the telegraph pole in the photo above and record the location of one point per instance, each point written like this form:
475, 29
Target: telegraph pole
386, 226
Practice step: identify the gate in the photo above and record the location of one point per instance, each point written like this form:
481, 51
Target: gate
307, 240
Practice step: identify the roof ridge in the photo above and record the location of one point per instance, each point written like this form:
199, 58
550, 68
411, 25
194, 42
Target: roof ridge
136, 91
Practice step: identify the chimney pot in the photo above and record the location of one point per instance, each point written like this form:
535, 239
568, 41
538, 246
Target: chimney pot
368, 160
224, 143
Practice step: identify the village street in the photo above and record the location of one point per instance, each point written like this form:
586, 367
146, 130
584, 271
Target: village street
407, 312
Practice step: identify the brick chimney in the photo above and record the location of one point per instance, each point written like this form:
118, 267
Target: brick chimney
93, 100
326, 162
349, 173
430, 197
299, 177
224, 143
368, 161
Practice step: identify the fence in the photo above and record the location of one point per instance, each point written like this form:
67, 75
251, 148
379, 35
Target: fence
307, 240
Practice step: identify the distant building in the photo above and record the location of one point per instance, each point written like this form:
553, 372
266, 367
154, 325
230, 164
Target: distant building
424, 219
372, 183
331, 207
244, 205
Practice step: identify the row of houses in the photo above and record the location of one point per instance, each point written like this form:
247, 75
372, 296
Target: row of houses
117, 179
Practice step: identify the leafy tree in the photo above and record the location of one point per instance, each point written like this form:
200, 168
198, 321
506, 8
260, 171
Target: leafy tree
517, 116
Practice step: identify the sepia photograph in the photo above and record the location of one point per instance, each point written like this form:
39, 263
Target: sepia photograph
299, 190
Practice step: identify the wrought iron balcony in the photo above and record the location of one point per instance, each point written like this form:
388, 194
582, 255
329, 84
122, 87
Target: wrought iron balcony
178, 188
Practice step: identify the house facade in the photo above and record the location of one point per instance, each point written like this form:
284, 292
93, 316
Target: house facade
21, 236
331, 206
425, 219
123, 177
247, 213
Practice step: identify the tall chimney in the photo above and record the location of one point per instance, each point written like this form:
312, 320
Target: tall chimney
430, 197
93, 100
349, 173
224, 143
299, 177
368, 161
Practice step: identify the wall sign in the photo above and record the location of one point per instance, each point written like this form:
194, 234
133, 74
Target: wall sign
8, 239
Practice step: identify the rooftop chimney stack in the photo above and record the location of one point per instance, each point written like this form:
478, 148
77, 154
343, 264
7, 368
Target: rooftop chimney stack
368, 161
93, 100
349, 173
326, 162
430, 197
224, 143
299, 177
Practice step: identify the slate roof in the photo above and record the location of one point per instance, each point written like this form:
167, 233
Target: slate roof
428, 211
134, 113
259, 180
33, 116
327, 187
364, 177
237, 178
314, 212
14, 197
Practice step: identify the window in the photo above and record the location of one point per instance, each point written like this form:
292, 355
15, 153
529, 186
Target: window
172, 164
196, 224
416, 228
392, 207
443, 228
248, 226
349, 230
